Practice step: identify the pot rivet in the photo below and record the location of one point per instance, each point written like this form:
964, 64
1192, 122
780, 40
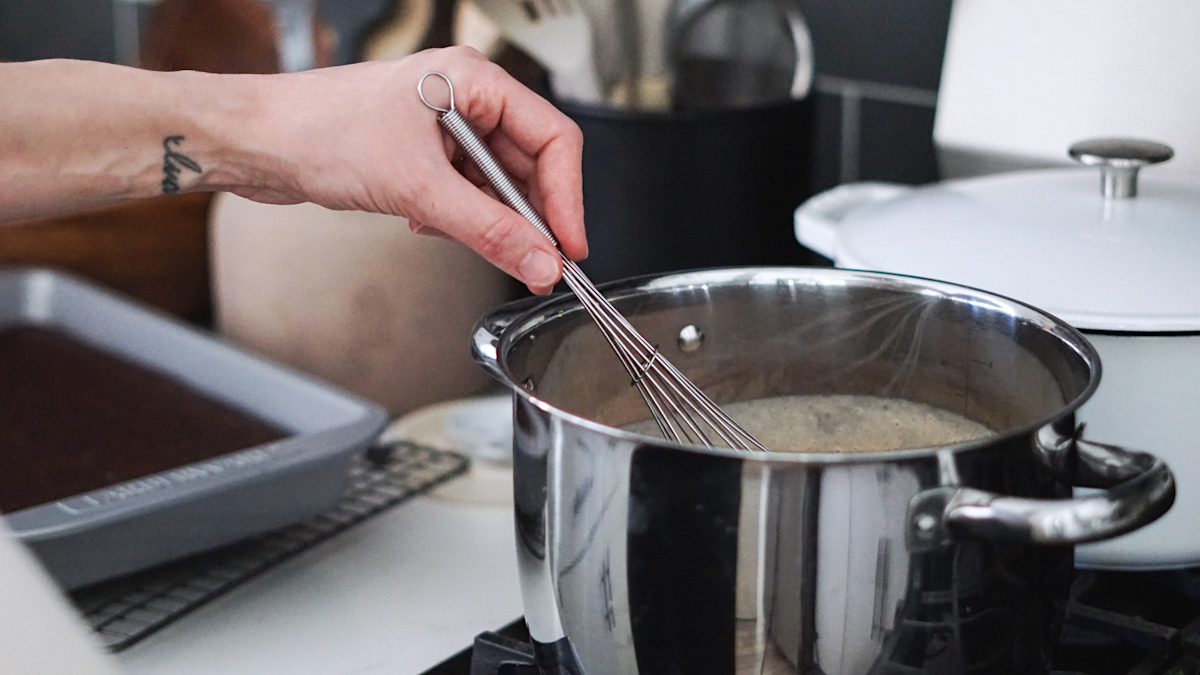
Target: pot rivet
528, 385
690, 338
926, 523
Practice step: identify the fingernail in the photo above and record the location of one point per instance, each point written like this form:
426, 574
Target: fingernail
538, 268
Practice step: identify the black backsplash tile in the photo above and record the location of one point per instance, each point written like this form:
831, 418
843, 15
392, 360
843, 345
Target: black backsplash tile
827, 146
896, 143
879, 40
881, 64
42, 29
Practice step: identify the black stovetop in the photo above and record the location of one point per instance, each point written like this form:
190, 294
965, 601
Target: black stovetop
1132, 623
1117, 623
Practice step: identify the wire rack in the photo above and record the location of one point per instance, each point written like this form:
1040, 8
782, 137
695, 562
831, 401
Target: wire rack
127, 610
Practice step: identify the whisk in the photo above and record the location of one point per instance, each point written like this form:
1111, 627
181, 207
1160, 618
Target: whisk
682, 411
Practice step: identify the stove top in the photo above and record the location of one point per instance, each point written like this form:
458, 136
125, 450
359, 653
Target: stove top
1132, 623
1117, 623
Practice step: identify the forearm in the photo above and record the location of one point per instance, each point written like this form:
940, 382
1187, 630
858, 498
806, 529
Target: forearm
75, 134
78, 134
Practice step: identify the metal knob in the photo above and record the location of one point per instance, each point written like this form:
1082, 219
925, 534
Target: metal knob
1119, 160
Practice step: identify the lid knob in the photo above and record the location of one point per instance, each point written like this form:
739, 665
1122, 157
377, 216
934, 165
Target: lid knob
1119, 160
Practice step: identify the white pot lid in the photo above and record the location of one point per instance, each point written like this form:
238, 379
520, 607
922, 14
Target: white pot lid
1049, 238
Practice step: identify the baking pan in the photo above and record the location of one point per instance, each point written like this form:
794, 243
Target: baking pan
123, 527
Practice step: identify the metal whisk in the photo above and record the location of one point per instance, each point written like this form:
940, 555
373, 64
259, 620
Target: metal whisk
683, 412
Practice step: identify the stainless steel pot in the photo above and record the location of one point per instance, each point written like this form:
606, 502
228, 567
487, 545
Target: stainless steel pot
638, 555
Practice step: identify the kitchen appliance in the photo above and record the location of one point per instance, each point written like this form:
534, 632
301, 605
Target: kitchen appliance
1116, 623
198, 505
682, 411
1120, 268
642, 555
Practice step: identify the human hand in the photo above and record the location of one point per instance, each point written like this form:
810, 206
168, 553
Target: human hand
359, 137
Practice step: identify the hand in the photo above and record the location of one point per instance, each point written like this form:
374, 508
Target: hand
359, 137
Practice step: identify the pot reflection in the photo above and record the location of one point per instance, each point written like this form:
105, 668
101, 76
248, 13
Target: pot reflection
711, 564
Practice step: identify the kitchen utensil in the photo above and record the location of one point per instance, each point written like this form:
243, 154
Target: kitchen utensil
804, 66
619, 43
655, 33
683, 412
739, 53
85, 538
615, 44
558, 34
639, 555
644, 30
1120, 269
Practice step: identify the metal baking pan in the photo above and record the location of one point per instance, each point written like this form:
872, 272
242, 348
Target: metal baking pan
129, 526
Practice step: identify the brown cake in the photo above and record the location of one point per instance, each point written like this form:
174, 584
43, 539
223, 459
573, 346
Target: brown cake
74, 418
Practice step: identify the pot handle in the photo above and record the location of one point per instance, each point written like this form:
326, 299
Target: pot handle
1137, 488
486, 336
817, 220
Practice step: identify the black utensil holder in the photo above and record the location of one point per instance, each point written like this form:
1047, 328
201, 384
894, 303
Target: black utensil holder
693, 189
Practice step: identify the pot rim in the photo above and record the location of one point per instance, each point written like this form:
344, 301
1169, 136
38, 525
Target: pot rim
561, 304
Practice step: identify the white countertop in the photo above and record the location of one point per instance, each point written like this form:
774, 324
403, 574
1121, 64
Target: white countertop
396, 594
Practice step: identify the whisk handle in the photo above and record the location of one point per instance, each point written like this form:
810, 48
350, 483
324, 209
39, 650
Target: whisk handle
473, 147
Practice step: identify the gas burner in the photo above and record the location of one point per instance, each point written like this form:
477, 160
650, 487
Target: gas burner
1117, 623
495, 654
1132, 623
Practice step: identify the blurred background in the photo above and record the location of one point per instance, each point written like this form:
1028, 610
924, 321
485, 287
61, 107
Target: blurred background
877, 67
770, 102
707, 123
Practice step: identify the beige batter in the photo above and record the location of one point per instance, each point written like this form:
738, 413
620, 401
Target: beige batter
844, 424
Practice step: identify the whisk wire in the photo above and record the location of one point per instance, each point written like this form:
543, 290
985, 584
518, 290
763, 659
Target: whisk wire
682, 411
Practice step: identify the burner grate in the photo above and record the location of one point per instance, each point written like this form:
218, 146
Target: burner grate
1132, 623
1117, 623
124, 611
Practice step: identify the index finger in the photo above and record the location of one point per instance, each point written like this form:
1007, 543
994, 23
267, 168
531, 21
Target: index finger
496, 103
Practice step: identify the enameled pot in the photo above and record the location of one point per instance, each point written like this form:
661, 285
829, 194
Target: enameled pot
1113, 254
638, 555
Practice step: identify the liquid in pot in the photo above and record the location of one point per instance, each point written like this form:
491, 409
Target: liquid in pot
844, 424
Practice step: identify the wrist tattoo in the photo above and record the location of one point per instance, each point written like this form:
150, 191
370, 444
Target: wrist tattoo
174, 163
